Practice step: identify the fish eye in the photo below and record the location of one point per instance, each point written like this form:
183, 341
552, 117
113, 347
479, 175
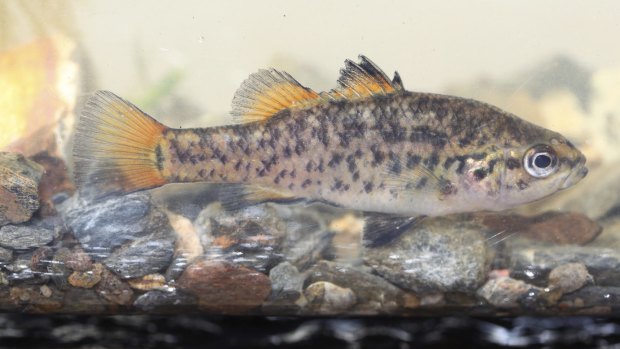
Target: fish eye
540, 161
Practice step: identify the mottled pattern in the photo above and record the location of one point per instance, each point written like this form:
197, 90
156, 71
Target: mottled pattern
401, 153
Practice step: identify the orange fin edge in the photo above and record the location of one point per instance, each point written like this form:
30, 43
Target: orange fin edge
115, 148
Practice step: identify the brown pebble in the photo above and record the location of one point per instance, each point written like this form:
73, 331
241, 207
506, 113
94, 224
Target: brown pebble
224, 287
148, 282
504, 292
86, 279
562, 228
326, 298
113, 289
78, 260
568, 277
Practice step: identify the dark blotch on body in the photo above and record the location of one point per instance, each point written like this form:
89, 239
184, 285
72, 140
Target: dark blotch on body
368, 186
513, 163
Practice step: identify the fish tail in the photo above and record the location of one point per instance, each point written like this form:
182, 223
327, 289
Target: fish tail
115, 148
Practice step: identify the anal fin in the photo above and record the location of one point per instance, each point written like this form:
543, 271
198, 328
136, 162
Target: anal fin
381, 229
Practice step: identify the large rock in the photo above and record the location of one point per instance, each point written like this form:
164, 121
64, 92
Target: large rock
19, 186
436, 255
130, 235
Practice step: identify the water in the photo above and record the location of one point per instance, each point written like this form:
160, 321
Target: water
177, 250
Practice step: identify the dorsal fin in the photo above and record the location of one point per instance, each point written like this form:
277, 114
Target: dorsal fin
266, 92
269, 91
363, 79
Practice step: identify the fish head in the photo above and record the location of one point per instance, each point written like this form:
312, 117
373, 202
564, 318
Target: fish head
547, 164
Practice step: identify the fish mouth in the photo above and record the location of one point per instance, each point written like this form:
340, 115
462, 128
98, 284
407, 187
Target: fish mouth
576, 175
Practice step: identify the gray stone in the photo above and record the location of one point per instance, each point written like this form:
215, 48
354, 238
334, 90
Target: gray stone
436, 255
327, 298
6, 255
145, 255
24, 237
285, 278
373, 292
157, 301
19, 184
102, 226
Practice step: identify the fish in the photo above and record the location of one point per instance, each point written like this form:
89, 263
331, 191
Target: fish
366, 145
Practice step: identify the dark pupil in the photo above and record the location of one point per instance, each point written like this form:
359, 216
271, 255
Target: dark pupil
542, 161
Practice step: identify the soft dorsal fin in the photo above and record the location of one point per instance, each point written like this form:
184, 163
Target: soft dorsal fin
266, 92
363, 79
269, 91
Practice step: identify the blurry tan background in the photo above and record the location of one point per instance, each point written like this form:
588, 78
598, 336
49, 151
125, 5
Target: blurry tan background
216, 44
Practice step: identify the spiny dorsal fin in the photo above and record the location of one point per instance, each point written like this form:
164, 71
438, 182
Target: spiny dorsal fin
266, 92
363, 79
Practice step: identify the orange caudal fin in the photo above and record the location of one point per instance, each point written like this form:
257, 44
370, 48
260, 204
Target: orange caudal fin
116, 147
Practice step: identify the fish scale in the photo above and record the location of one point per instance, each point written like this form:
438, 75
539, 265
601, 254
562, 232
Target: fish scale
367, 145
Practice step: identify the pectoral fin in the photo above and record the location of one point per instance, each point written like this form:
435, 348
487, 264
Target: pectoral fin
381, 229
237, 196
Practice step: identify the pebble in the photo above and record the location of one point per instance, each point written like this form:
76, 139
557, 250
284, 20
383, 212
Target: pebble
504, 292
19, 188
373, 292
25, 237
437, 255
143, 256
148, 282
223, 287
285, 279
326, 298
86, 279
568, 277
286, 297
113, 289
